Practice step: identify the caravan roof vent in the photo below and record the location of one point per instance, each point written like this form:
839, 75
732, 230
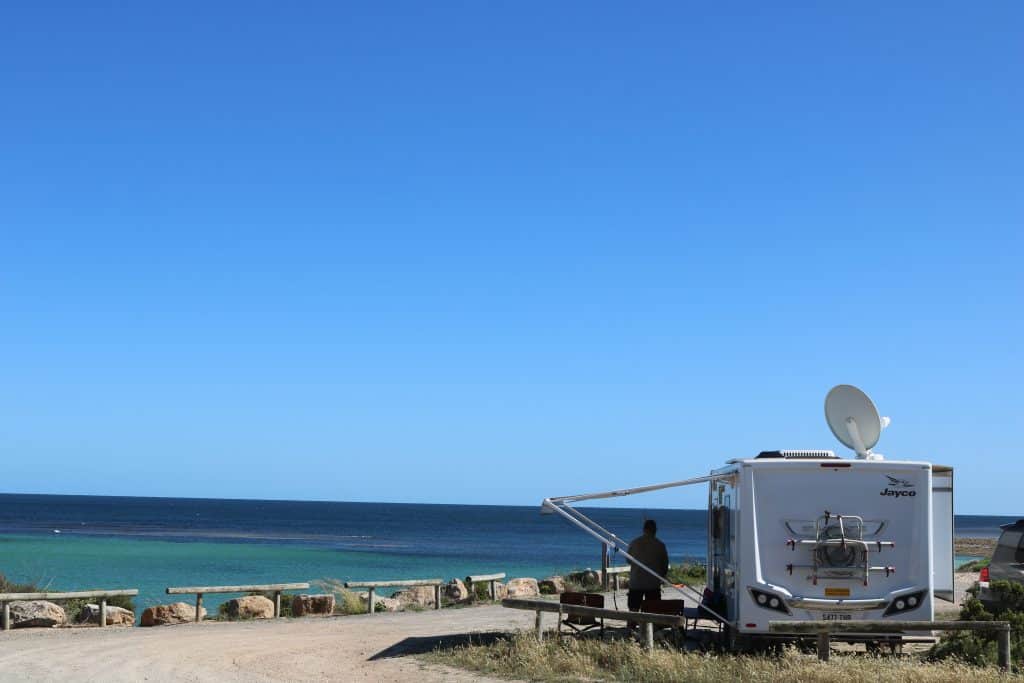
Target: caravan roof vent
797, 455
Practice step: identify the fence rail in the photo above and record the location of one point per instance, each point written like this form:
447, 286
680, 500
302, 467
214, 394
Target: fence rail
372, 587
649, 620
825, 629
7, 598
275, 588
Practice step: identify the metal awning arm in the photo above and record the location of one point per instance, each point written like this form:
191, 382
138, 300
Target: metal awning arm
562, 506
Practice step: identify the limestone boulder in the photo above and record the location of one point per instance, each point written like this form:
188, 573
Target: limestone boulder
116, 616
250, 607
586, 578
174, 613
388, 605
382, 604
553, 585
416, 596
500, 590
455, 591
312, 605
37, 613
523, 588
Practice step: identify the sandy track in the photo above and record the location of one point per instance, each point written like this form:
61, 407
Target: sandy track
367, 648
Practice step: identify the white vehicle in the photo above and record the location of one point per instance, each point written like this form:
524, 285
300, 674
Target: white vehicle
805, 535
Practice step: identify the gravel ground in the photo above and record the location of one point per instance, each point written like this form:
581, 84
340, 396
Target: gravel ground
370, 648
367, 648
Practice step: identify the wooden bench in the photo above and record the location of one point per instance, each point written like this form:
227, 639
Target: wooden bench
372, 586
7, 598
275, 588
648, 620
492, 579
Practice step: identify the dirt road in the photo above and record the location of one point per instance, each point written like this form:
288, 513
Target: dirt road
357, 648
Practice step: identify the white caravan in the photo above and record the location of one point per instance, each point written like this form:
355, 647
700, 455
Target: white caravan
805, 535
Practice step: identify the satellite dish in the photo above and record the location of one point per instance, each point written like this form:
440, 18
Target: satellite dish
854, 420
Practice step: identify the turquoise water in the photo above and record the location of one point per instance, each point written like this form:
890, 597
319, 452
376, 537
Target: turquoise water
80, 563
153, 543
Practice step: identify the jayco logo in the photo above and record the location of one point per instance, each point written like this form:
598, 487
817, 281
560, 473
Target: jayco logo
899, 488
898, 494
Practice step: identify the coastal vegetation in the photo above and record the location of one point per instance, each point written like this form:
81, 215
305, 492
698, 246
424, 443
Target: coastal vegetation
979, 647
521, 656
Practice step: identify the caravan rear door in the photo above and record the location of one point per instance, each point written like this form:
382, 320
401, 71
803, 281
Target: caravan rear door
942, 531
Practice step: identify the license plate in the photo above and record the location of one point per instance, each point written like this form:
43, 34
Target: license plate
836, 616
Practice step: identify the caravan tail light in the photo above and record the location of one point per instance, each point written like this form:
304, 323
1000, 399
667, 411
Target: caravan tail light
904, 603
769, 601
983, 577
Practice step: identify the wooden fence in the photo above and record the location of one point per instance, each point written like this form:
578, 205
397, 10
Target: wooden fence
492, 579
7, 598
405, 583
825, 629
275, 588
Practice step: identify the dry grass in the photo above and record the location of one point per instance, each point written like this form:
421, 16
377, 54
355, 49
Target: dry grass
346, 602
522, 657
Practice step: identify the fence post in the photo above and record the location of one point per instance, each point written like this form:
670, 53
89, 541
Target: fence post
604, 566
277, 604
437, 596
7, 616
649, 636
1004, 649
199, 607
103, 612
494, 591
370, 599
824, 648
540, 631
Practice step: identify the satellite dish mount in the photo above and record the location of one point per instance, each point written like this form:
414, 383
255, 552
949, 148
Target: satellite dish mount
854, 420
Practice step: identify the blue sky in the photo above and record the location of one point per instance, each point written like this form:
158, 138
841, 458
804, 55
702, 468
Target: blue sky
489, 252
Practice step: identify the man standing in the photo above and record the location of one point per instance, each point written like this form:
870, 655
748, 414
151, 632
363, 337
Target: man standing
652, 552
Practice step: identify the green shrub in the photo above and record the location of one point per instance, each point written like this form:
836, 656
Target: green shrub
688, 573
7, 586
974, 565
979, 647
480, 592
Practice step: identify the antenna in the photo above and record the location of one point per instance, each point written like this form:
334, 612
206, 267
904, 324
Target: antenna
854, 420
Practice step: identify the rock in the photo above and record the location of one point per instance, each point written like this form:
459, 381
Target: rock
500, 590
586, 578
175, 613
416, 596
116, 616
388, 605
37, 613
456, 591
381, 604
250, 607
553, 585
523, 588
306, 605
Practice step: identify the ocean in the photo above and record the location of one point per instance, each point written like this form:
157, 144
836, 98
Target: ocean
81, 542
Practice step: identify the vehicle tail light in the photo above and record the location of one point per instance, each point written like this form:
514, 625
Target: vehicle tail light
983, 577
